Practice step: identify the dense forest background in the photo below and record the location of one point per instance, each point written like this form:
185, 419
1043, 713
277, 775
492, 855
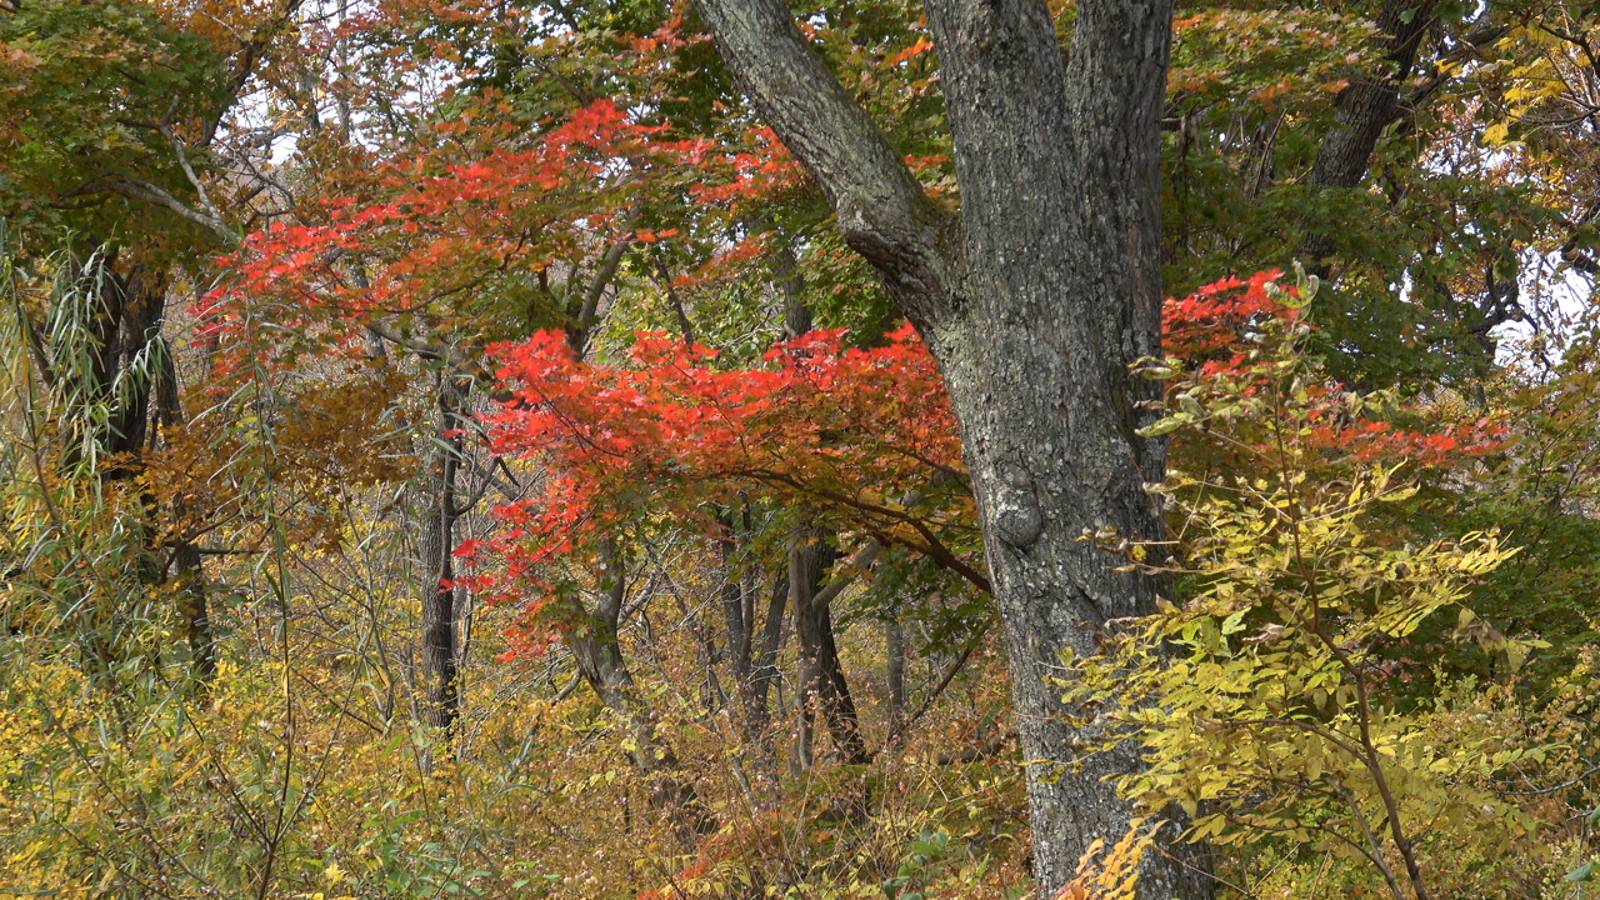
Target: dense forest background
973, 448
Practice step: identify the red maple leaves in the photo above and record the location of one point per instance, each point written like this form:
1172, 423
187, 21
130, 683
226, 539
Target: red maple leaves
1211, 332
844, 431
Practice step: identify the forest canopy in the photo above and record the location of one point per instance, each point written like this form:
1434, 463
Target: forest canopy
744, 448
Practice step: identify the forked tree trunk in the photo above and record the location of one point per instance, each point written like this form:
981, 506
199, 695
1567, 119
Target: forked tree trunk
823, 688
1035, 299
599, 656
764, 671
749, 658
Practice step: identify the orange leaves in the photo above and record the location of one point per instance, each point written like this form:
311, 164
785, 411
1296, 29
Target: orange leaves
651, 236
668, 37
1445, 444
14, 60
737, 176
725, 264
1207, 333
435, 225
468, 549
921, 46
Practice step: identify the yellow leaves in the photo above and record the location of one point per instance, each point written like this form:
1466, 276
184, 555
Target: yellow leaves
1269, 95
1497, 134
1280, 670
1112, 875
1398, 496
1534, 82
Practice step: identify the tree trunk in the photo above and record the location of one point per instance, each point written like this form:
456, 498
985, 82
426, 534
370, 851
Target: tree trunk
1035, 300
764, 671
751, 675
823, 686
436, 541
127, 319
1370, 104
599, 657
1366, 108
894, 651
194, 607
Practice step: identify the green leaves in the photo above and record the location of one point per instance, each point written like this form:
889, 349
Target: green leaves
95, 86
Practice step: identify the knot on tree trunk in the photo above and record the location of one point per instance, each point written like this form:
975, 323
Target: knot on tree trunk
1017, 516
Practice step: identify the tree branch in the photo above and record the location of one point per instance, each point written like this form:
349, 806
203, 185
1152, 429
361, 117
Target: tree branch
883, 212
149, 193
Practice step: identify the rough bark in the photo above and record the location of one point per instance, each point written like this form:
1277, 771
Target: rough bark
1035, 300
1368, 105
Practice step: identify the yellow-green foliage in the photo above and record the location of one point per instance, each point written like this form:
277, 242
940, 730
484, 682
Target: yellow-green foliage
1266, 701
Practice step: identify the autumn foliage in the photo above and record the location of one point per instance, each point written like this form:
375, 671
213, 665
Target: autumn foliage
454, 449
849, 432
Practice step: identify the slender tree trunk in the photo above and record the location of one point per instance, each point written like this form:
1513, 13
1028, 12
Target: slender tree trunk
796, 312
137, 329
750, 671
764, 671
894, 652
436, 541
194, 607
1370, 104
599, 657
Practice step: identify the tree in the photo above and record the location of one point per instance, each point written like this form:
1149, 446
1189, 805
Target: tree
1035, 298
119, 107
1260, 703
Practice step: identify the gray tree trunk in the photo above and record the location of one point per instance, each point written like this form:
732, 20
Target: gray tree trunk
1035, 300
894, 675
599, 656
764, 671
194, 602
1366, 108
